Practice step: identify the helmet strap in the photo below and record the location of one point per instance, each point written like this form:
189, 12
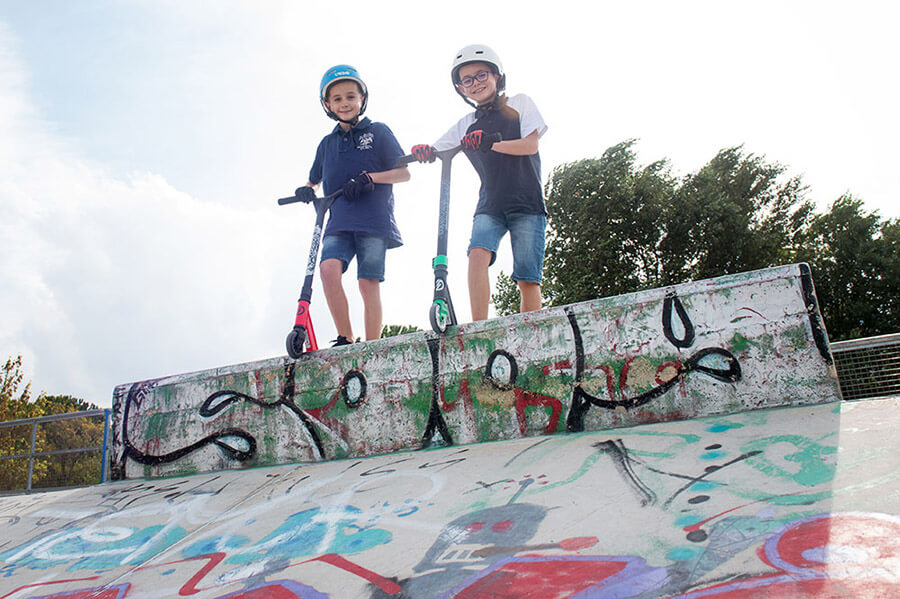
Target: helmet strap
486, 109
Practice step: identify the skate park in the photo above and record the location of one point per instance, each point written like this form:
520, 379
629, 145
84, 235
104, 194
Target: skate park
680, 442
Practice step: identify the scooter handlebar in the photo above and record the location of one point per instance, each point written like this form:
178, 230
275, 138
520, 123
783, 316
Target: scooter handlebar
292, 199
409, 158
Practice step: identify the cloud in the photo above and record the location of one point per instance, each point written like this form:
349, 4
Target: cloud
110, 279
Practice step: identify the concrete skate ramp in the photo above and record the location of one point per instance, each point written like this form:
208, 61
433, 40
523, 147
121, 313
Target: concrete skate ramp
785, 502
710, 347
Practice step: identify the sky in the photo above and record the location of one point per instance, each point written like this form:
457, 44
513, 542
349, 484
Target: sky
143, 145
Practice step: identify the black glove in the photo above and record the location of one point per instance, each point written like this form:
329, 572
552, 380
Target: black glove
305, 194
358, 185
424, 153
477, 140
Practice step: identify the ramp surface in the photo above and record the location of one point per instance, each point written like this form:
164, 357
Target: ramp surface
787, 502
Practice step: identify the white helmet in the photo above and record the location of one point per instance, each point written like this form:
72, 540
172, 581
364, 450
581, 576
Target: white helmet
477, 53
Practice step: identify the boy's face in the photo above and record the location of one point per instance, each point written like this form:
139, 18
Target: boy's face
480, 92
345, 100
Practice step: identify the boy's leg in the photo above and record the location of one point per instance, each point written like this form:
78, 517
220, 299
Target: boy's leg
527, 235
486, 234
370, 254
370, 290
331, 270
337, 251
530, 296
479, 282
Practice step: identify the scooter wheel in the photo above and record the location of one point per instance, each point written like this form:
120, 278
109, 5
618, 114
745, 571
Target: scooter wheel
296, 340
438, 317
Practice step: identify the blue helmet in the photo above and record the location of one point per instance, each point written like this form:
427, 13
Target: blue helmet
337, 73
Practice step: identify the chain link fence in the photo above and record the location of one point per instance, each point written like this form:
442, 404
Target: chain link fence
869, 367
53, 452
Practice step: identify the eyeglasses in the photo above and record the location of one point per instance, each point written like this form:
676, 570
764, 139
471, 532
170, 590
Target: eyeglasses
480, 77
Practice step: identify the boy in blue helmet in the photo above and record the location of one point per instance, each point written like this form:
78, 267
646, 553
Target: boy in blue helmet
357, 157
511, 198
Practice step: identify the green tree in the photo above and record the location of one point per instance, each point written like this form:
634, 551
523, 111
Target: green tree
737, 213
855, 260
506, 297
68, 469
15, 404
391, 330
605, 226
59, 470
616, 227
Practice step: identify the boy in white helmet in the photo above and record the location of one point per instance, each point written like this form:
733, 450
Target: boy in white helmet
511, 196
357, 157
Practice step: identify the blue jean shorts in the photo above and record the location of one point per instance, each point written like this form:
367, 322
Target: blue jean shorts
526, 234
369, 251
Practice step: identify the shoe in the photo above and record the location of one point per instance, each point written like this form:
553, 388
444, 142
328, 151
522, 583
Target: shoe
341, 340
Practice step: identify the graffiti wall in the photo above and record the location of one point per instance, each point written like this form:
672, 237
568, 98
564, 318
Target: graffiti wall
786, 502
711, 347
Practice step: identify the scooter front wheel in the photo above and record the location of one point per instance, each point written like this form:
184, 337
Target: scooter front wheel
439, 317
296, 341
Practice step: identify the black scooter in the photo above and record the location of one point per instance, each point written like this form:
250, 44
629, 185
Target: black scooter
441, 313
303, 334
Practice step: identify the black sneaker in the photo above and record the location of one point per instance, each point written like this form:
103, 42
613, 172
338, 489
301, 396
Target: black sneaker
341, 340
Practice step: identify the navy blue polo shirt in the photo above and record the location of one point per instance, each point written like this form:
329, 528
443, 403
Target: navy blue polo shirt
508, 183
341, 155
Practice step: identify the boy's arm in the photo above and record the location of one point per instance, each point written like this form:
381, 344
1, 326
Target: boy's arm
525, 146
395, 175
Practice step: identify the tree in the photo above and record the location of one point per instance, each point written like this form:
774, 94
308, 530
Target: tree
51, 471
737, 213
69, 469
616, 227
855, 261
506, 298
605, 226
14, 440
391, 330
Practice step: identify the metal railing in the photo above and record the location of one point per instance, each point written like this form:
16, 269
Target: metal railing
51, 463
868, 368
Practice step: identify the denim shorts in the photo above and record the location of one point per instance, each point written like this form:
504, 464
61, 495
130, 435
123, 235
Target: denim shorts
526, 234
369, 251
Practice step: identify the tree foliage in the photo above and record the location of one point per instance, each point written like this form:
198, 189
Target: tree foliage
616, 227
390, 330
64, 469
506, 298
855, 259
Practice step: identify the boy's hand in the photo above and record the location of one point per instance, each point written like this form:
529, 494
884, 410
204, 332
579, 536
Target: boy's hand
424, 153
477, 140
305, 194
358, 185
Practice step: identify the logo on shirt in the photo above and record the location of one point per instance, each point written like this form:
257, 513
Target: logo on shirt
365, 141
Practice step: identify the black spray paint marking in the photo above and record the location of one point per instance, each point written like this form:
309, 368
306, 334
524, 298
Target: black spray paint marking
435, 418
622, 461
582, 400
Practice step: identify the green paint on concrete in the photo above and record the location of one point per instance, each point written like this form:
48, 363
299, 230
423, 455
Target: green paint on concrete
807, 463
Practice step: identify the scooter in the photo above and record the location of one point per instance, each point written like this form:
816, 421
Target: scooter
441, 314
303, 334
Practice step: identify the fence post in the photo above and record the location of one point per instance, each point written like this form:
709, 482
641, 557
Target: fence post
31, 455
105, 451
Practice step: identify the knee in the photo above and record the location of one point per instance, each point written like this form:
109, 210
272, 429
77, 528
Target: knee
331, 271
480, 257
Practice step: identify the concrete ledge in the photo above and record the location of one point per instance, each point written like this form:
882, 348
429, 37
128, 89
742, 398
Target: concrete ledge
718, 346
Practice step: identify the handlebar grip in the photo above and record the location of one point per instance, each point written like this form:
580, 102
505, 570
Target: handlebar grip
290, 200
404, 160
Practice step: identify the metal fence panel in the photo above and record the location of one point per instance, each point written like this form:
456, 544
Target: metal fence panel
868, 367
51, 452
